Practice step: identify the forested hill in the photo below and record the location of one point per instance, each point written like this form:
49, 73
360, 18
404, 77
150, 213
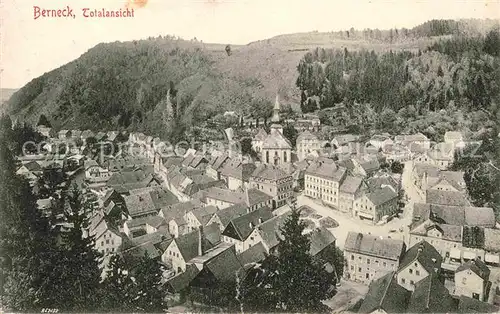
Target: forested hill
126, 85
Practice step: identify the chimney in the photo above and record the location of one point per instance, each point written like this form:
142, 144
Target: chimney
201, 237
247, 198
433, 260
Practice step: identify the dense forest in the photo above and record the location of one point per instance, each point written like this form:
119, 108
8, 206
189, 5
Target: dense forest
459, 75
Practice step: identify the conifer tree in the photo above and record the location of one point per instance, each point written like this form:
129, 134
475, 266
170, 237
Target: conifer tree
117, 288
149, 295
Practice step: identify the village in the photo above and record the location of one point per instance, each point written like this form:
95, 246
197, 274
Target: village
404, 222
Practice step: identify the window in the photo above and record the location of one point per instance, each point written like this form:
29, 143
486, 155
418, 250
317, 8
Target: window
367, 276
411, 271
403, 281
417, 272
359, 269
464, 280
416, 265
352, 268
368, 261
107, 241
102, 243
412, 282
385, 264
352, 257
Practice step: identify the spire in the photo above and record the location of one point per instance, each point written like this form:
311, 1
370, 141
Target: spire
276, 110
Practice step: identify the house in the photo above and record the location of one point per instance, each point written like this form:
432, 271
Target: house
377, 204
472, 280
180, 282
442, 197
94, 172
239, 229
144, 225
124, 181
107, 238
133, 250
322, 181
199, 217
195, 161
273, 181
369, 257
175, 215
30, 170
382, 180
224, 216
322, 245
381, 140
269, 232
255, 254
307, 143
218, 268
454, 138
385, 296
396, 152
431, 296
418, 263
470, 305
365, 166
350, 191
148, 202
416, 140
215, 166
344, 139
185, 183
442, 155
237, 174
492, 247
223, 198
189, 245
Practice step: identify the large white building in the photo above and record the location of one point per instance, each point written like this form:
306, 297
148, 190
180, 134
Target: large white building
276, 148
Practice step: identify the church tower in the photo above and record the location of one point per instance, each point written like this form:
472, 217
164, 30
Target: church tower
276, 126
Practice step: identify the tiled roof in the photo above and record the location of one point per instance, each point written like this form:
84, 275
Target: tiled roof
245, 224
224, 266
455, 215
238, 170
227, 214
492, 240
431, 296
374, 246
212, 234
179, 210
425, 254
225, 195
255, 254
477, 266
261, 135
385, 294
473, 237
471, 305
188, 244
269, 172
270, 230
255, 197
218, 161
320, 239
306, 135
381, 196
328, 171
441, 197
377, 182
430, 170
140, 204
181, 281
203, 214
345, 138
276, 140
351, 184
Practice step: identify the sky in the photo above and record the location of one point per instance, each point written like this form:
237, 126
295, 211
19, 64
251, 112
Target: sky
32, 47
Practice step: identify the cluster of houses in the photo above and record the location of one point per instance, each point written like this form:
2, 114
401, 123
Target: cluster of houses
414, 280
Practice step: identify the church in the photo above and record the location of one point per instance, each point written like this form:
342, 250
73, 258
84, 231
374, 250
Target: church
276, 148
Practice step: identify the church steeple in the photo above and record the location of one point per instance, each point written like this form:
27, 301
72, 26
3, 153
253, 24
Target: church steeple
276, 110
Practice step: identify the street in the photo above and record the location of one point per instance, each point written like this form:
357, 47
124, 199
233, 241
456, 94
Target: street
348, 223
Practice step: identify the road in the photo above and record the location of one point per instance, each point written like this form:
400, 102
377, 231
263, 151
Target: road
348, 223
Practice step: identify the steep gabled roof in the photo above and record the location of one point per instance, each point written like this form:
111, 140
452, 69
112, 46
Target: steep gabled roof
470, 305
269, 172
425, 254
385, 294
227, 214
431, 296
381, 196
451, 198
245, 224
181, 281
255, 254
477, 266
320, 239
